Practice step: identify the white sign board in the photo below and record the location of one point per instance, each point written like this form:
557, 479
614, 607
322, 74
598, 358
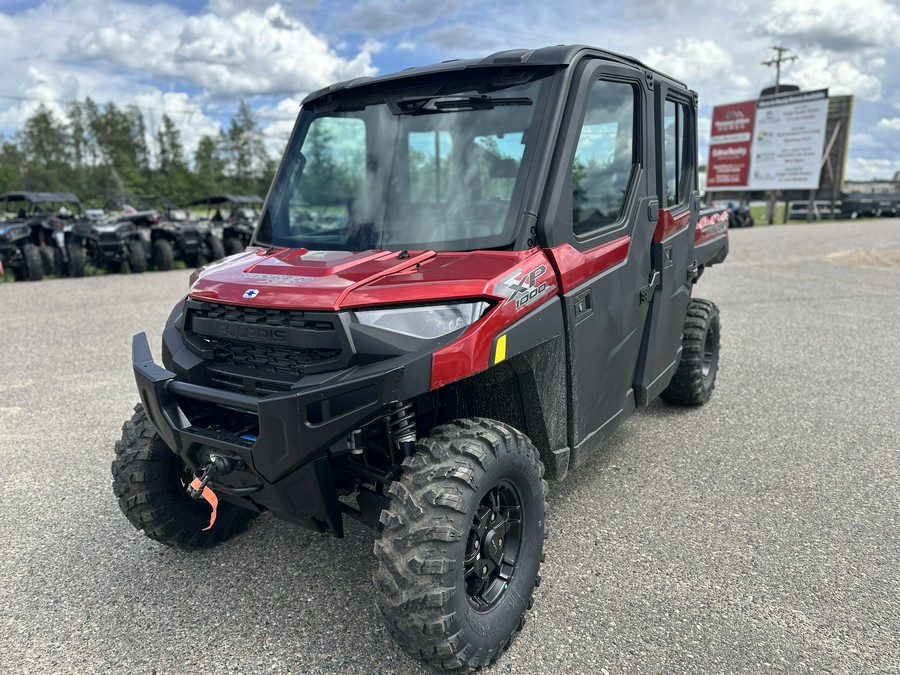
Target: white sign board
788, 141
784, 151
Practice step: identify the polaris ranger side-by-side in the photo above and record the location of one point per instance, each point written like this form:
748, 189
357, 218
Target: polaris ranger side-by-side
464, 278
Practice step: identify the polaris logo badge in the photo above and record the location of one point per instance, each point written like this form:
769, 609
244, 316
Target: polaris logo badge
251, 293
251, 333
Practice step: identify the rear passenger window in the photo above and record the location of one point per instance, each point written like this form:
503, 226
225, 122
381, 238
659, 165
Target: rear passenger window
677, 146
604, 157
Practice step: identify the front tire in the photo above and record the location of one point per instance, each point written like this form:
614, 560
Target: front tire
215, 248
77, 260
150, 483
695, 379
233, 245
137, 256
459, 553
32, 265
163, 255
48, 261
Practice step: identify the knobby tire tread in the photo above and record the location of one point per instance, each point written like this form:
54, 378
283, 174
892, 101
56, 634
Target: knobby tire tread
687, 387
415, 572
150, 495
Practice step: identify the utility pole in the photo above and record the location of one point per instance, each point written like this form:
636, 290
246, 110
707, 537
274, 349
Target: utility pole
777, 61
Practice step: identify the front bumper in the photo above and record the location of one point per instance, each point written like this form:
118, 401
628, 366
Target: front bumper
285, 467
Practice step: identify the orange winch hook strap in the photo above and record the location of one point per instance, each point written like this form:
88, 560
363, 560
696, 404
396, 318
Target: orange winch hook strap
210, 497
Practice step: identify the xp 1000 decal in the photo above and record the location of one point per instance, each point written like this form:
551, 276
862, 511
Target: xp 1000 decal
525, 287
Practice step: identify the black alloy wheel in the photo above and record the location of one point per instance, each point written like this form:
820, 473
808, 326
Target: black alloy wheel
493, 546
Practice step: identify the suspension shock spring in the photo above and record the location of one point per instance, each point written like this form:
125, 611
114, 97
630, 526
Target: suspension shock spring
402, 422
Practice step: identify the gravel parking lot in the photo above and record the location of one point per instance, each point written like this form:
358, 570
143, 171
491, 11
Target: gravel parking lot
756, 534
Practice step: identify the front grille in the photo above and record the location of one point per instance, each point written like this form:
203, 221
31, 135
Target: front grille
259, 316
286, 360
265, 341
109, 239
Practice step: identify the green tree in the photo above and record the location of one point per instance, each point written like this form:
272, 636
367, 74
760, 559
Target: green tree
243, 149
122, 148
10, 166
171, 151
172, 177
209, 167
44, 146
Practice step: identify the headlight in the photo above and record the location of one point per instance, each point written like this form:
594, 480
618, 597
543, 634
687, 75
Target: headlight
146, 235
424, 322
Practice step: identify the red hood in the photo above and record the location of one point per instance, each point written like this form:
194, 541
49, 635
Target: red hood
331, 280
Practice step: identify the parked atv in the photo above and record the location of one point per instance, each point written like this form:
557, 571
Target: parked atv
238, 221
172, 234
18, 253
112, 243
739, 215
50, 243
464, 279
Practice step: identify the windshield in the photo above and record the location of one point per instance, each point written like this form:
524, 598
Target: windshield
435, 168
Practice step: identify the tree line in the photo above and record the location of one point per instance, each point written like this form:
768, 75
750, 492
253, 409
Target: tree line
100, 152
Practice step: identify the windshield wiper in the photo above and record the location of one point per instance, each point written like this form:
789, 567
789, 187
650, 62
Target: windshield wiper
483, 102
479, 102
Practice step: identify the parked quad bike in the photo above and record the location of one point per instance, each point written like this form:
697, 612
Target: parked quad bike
172, 234
237, 223
40, 237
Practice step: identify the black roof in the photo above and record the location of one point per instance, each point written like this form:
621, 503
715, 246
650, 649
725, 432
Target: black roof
222, 199
40, 197
559, 55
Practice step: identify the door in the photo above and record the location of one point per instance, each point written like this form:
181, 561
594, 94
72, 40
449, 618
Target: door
603, 217
672, 250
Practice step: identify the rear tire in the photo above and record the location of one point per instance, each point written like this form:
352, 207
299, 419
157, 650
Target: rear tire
216, 249
695, 379
48, 261
459, 553
233, 245
163, 255
150, 483
77, 260
32, 265
137, 257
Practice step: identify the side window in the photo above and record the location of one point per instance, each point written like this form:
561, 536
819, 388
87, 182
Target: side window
677, 145
604, 157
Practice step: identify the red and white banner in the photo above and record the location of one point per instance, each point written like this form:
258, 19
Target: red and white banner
729, 146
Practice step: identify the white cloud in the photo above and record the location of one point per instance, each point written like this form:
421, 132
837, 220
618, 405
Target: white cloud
863, 169
187, 114
278, 122
242, 54
840, 75
892, 124
700, 62
835, 24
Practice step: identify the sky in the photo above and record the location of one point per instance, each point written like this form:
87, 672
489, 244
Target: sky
195, 59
